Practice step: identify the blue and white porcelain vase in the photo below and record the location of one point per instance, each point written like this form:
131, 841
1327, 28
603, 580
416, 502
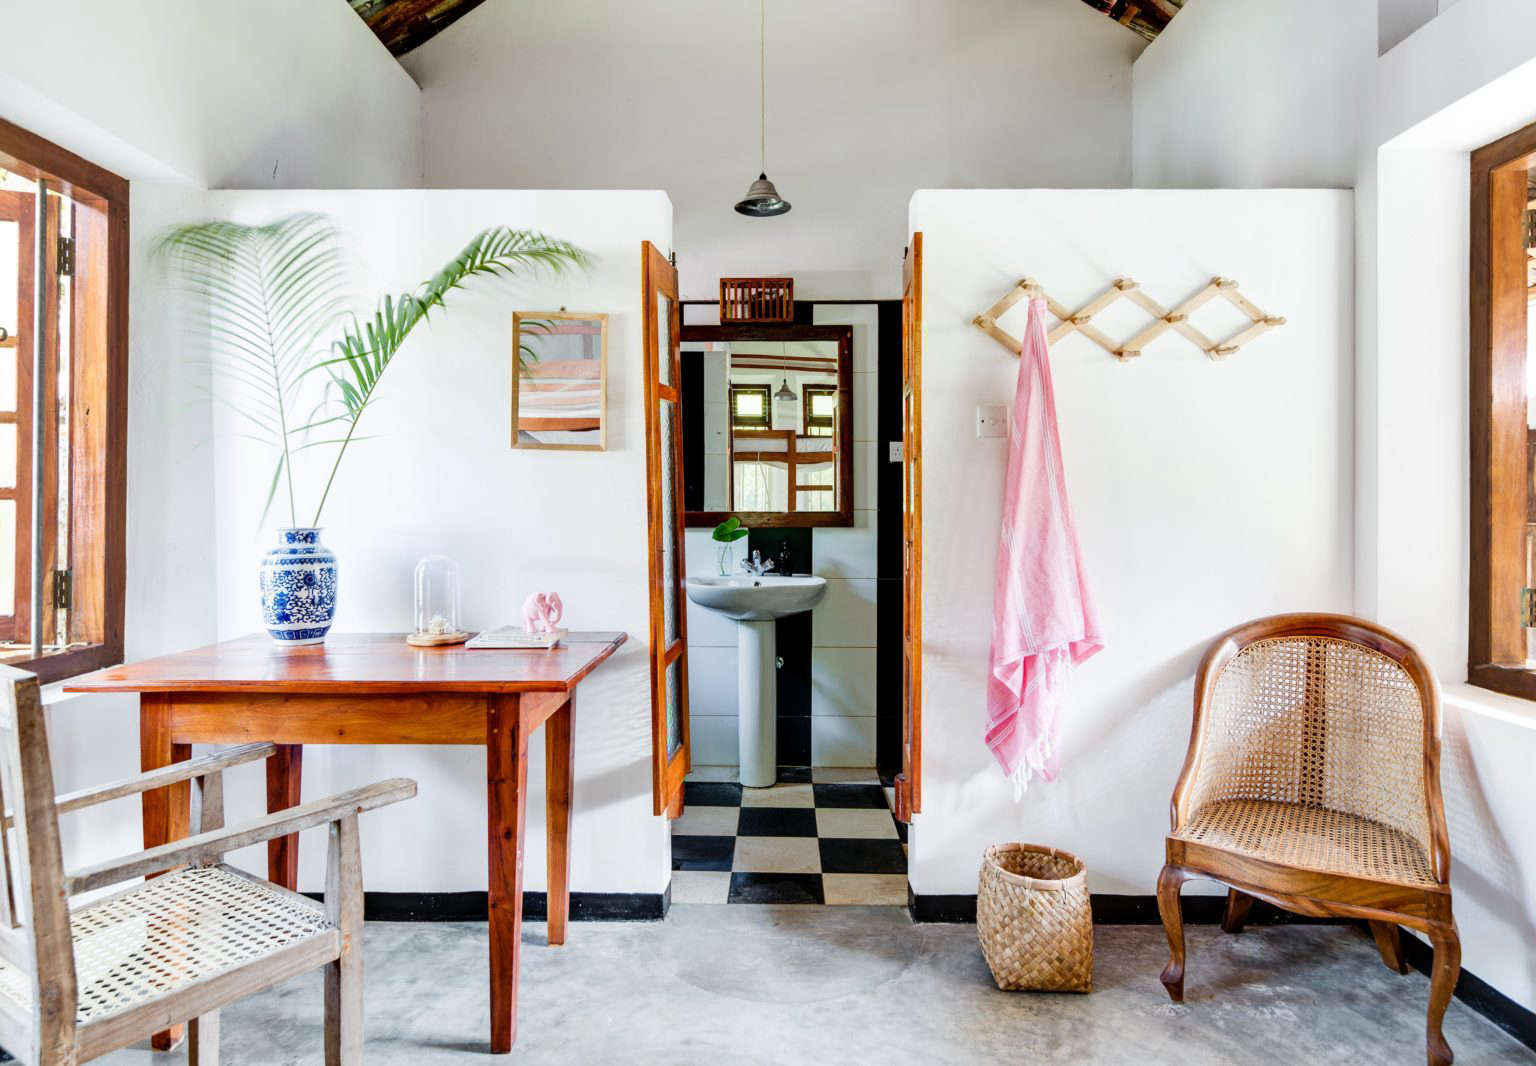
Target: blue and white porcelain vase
298, 587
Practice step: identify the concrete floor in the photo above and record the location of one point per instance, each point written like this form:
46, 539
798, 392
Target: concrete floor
756, 984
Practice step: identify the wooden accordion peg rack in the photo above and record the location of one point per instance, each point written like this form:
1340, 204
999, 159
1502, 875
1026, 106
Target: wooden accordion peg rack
1080, 321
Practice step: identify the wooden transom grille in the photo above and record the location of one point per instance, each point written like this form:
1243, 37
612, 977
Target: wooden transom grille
757, 300
1314, 758
173, 932
1163, 320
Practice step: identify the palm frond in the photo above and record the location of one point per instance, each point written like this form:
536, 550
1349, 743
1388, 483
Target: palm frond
268, 296
358, 360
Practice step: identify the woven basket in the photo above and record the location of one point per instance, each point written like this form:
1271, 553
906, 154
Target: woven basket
1033, 919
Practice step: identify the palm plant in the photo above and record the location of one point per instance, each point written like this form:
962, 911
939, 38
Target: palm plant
273, 291
269, 295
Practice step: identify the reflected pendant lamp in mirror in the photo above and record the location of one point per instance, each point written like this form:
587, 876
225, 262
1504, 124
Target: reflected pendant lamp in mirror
786, 407
762, 199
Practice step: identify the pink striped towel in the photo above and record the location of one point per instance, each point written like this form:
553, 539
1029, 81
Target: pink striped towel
1043, 621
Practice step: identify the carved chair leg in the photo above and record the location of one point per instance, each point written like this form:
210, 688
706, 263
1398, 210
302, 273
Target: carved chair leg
203, 1040
1168, 884
1442, 982
1236, 915
1389, 941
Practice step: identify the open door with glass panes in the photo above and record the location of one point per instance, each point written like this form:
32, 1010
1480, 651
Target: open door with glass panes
664, 503
909, 783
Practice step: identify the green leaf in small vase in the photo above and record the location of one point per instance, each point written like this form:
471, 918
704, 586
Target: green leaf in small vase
730, 531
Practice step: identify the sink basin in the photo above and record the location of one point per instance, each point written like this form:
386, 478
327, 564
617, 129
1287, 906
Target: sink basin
754, 601
750, 598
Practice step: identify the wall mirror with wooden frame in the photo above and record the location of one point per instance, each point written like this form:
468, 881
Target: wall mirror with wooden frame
560, 381
768, 424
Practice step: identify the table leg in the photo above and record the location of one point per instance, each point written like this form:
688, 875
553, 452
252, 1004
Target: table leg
559, 748
506, 774
167, 811
285, 771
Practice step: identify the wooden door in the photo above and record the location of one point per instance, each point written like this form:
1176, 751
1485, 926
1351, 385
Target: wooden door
909, 793
664, 505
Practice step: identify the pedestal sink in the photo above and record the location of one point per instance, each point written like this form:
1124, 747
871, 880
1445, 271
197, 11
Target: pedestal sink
753, 602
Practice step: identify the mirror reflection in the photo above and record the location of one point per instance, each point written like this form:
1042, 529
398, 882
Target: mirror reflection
767, 425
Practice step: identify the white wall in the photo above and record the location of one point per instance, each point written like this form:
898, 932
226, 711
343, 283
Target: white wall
1397, 19
1205, 493
1415, 448
1463, 78
218, 93
867, 101
1251, 94
440, 477
177, 97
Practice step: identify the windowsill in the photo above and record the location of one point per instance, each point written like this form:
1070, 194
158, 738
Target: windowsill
1475, 699
64, 663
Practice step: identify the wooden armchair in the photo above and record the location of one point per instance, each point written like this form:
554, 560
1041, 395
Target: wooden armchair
1313, 782
77, 984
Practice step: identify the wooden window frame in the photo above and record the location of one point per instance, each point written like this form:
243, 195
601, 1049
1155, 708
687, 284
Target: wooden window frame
766, 422
99, 438
811, 420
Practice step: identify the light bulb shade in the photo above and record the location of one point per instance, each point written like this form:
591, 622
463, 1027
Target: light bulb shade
786, 408
762, 200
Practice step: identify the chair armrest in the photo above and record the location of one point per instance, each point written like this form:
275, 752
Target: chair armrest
153, 779
214, 845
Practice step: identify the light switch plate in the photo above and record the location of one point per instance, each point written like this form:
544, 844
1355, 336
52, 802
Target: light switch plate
991, 420
895, 456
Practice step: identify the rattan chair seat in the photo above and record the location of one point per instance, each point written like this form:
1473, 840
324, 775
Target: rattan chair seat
1310, 838
173, 932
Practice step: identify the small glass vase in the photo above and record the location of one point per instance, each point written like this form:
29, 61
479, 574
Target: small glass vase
723, 559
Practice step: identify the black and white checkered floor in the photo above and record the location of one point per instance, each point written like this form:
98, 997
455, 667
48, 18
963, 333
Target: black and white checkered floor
819, 836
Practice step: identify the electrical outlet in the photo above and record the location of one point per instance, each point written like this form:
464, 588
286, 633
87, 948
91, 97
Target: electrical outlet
895, 456
991, 420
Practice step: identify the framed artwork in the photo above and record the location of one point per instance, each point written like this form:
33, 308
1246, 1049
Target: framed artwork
560, 380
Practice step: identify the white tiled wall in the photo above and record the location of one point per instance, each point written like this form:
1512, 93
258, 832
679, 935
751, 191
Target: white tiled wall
842, 628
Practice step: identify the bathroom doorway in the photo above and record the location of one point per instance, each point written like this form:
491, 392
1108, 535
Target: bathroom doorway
824, 830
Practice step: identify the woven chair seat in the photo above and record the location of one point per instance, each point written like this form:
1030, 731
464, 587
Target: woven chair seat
1310, 838
175, 931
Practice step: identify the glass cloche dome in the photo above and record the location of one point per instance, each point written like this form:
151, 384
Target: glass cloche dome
437, 601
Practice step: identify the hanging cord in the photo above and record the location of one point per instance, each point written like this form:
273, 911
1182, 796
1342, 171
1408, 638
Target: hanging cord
762, 87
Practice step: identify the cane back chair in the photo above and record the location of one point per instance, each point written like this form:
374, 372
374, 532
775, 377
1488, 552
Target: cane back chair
78, 983
1313, 782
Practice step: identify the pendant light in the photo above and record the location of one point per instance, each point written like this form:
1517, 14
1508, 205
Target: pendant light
786, 407
762, 199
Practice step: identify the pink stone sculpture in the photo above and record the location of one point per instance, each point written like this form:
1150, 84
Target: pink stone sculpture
542, 612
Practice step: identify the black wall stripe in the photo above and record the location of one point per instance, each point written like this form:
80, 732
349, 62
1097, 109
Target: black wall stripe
693, 430
888, 590
1110, 909
473, 907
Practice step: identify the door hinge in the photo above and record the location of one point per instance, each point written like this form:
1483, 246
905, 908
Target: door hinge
672, 257
1528, 608
63, 590
66, 257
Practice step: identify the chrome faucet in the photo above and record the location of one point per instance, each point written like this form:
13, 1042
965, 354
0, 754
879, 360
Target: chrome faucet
755, 565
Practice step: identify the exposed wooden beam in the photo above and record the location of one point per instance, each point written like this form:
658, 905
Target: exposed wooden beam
1146, 17
404, 24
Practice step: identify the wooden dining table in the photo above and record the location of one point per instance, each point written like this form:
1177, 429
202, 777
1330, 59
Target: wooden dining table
375, 689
